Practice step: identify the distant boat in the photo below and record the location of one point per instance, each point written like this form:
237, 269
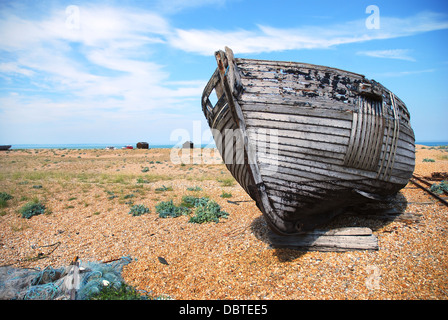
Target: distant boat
128, 147
5, 147
337, 138
110, 148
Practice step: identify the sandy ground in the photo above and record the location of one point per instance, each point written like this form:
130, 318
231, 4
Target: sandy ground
87, 194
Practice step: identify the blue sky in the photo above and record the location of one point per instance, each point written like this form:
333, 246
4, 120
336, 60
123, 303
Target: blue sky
129, 71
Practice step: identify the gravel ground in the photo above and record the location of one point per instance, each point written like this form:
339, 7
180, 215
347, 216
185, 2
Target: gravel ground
88, 216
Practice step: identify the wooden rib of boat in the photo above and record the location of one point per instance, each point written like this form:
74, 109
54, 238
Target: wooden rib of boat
306, 141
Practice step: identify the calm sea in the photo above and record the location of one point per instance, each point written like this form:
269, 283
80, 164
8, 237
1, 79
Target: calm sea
432, 144
87, 146
162, 146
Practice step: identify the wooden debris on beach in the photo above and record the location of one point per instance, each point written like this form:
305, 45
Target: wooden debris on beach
438, 176
428, 190
341, 239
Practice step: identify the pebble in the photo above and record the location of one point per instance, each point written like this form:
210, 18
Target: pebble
227, 260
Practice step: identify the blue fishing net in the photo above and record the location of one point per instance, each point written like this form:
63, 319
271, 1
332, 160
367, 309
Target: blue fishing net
60, 283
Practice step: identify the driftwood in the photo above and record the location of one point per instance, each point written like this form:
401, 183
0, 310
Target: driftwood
438, 176
442, 200
342, 239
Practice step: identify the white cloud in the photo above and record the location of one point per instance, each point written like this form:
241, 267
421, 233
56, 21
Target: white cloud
106, 54
104, 63
11, 67
268, 39
174, 6
400, 54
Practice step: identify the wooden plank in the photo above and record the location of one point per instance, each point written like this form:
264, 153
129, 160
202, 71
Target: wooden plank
210, 86
255, 63
406, 217
235, 72
304, 135
368, 144
442, 200
379, 135
222, 117
318, 170
303, 186
315, 145
289, 150
346, 239
285, 86
347, 231
274, 122
307, 188
317, 102
342, 118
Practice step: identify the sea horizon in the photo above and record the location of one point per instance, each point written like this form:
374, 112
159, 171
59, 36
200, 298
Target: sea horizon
93, 146
154, 146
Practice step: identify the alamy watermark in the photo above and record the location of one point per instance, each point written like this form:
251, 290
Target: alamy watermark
373, 20
72, 17
373, 277
234, 145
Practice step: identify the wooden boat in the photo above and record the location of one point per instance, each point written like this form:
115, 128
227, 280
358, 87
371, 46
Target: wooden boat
333, 138
5, 147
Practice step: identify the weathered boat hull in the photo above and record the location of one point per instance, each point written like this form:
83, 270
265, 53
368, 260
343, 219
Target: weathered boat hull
306, 141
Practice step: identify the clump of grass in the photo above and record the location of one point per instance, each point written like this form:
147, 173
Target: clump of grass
163, 189
191, 202
428, 160
167, 209
141, 180
138, 210
33, 208
226, 195
4, 197
122, 292
227, 182
208, 212
440, 188
145, 169
194, 189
